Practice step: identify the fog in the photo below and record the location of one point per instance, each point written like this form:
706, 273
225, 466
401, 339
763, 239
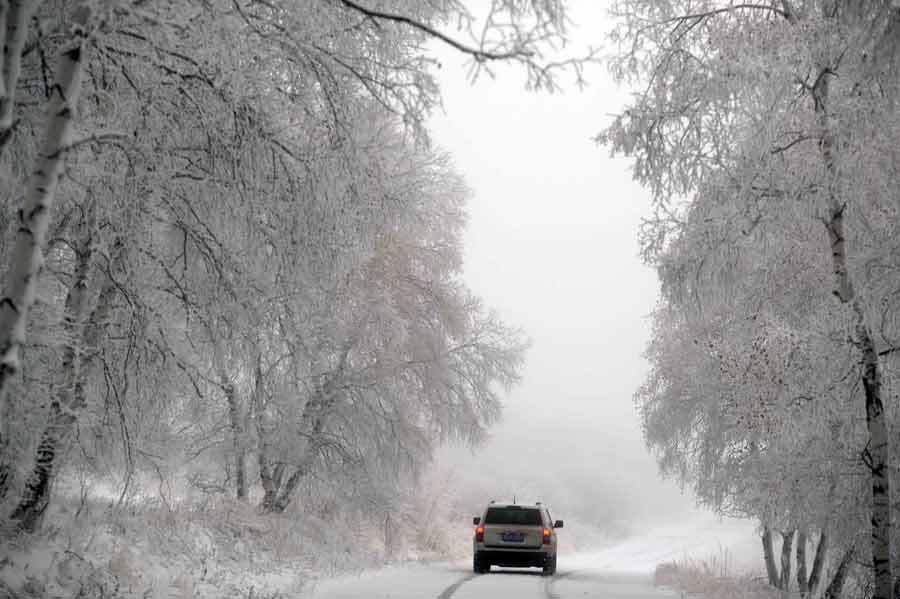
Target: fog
552, 245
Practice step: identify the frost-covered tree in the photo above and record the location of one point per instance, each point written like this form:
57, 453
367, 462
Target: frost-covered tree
26, 257
403, 356
220, 229
777, 120
745, 406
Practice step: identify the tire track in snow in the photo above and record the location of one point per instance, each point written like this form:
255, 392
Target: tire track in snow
548, 589
548, 584
448, 592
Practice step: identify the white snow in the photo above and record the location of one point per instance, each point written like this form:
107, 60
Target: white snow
621, 570
732, 543
456, 581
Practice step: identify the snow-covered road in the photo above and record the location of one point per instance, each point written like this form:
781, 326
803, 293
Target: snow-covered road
456, 581
619, 571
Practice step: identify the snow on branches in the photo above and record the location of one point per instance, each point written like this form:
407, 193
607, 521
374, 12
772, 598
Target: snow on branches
766, 133
252, 275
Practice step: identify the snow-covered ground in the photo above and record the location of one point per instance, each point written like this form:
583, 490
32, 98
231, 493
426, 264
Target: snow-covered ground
230, 550
456, 581
621, 570
733, 545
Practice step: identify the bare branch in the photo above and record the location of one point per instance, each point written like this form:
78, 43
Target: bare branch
479, 54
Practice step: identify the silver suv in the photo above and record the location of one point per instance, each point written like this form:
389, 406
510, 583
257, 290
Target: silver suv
518, 536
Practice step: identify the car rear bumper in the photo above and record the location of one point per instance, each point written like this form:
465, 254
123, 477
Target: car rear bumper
514, 558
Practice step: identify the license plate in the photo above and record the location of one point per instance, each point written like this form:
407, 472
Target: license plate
513, 537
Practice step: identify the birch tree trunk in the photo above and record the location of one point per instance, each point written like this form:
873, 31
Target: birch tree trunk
787, 543
316, 412
268, 485
70, 399
237, 437
14, 17
769, 555
278, 493
877, 448
313, 420
836, 587
815, 575
268, 476
802, 578
388, 536
63, 412
286, 493
34, 217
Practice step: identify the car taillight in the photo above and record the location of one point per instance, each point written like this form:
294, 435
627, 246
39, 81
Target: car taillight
547, 536
479, 534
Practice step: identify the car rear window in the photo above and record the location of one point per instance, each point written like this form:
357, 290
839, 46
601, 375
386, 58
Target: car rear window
511, 515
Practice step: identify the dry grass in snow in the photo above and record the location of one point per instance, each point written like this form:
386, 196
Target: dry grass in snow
150, 550
713, 577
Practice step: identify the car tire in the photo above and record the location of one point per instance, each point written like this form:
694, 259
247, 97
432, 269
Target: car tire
550, 566
479, 566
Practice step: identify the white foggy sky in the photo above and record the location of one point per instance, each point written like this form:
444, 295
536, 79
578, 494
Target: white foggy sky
551, 245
